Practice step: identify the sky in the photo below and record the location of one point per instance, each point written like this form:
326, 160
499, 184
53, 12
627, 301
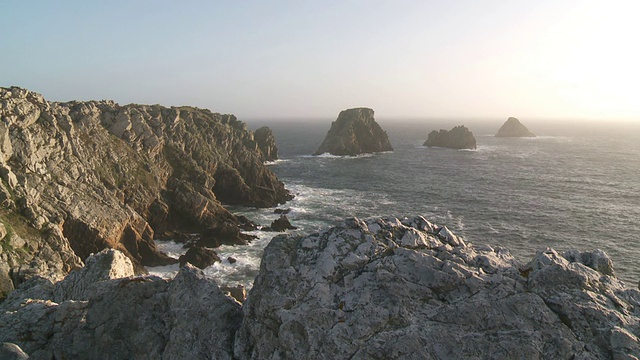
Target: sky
300, 59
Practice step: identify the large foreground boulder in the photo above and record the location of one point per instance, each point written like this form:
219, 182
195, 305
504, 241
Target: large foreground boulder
91, 315
408, 289
457, 138
514, 128
355, 132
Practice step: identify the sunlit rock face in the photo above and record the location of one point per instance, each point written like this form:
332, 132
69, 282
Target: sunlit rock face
355, 132
514, 128
460, 137
78, 177
407, 288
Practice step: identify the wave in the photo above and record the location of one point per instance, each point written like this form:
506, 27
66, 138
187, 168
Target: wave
275, 162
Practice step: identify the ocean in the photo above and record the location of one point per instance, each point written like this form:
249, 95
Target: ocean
575, 186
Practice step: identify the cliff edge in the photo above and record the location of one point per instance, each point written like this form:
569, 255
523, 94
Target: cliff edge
355, 132
78, 177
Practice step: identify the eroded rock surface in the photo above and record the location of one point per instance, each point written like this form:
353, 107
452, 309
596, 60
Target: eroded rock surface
408, 289
78, 177
103, 317
514, 128
457, 138
355, 132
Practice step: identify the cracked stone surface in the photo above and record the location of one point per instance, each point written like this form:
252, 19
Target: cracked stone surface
407, 288
103, 312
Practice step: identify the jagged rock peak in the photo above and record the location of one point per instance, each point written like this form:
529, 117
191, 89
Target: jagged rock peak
407, 288
514, 128
355, 132
460, 137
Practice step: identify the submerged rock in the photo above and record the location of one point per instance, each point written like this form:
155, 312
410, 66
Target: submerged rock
406, 288
514, 128
280, 224
199, 257
457, 138
188, 317
355, 132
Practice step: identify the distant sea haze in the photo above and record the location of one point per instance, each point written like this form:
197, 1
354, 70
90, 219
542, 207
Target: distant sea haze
573, 186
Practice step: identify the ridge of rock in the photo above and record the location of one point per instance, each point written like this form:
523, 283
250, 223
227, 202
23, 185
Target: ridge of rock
460, 137
354, 132
406, 288
514, 128
382, 288
78, 177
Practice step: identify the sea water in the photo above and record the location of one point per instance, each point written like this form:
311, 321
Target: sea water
576, 185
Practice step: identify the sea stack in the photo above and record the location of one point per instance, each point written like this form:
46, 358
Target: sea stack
457, 138
514, 128
355, 132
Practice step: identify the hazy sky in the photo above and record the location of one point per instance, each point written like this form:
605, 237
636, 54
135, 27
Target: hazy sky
295, 59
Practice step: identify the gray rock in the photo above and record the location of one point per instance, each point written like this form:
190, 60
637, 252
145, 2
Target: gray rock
9, 351
389, 288
457, 138
514, 128
355, 132
133, 317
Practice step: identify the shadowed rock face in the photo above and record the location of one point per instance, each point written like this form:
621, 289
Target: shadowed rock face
457, 138
514, 128
391, 288
355, 132
81, 176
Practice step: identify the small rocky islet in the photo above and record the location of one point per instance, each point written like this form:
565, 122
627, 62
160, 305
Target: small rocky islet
96, 181
460, 137
514, 128
355, 132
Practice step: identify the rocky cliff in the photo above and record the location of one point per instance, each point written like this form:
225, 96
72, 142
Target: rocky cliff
376, 289
514, 128
78, 177
355, 132
457, 138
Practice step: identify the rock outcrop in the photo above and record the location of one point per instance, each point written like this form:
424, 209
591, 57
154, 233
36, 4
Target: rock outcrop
376, 289
103, 316
78, 177
355, 132
199, 257
514, 128
396, 289
266, 143
457, 138
280, 224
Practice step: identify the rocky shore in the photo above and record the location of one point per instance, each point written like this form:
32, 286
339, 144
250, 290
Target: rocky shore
383, 288
78, 177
